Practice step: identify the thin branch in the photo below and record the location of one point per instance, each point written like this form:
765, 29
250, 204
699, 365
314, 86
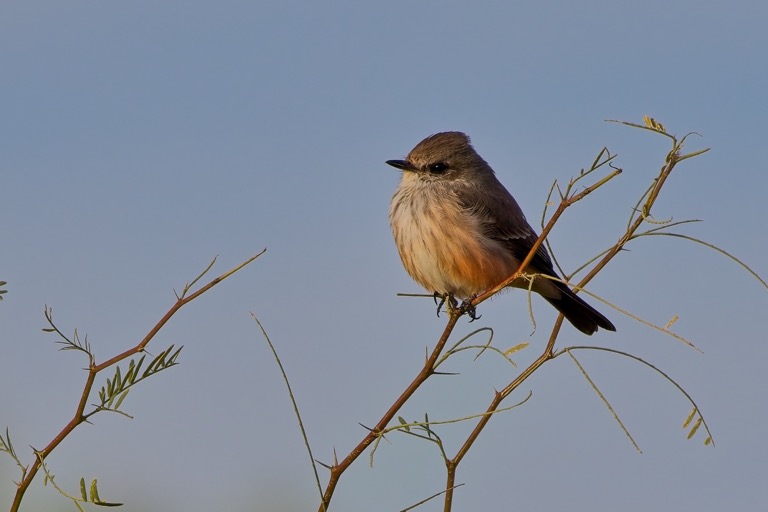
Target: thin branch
605, 401
93, 369
7, 446
293, 401
404, 425
654, 368
415, 505
711, 246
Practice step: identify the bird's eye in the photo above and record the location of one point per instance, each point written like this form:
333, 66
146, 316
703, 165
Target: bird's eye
438, 168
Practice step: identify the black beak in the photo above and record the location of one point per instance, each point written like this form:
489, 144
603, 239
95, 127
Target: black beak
403, 165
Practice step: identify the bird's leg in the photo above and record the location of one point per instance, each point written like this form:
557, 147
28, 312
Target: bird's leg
469, 309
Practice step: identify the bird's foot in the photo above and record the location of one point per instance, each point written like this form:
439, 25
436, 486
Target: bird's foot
452, 306
469, 309
444, 297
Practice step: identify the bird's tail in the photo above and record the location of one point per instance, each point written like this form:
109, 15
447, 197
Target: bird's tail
583, 316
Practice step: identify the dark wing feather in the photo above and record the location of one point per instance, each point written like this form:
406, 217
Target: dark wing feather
504, 221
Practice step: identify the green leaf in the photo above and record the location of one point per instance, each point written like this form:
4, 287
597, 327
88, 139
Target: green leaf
120, 400
83, 491
694, 428
689, 418
94, 492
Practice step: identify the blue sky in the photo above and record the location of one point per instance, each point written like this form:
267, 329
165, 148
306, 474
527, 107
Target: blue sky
139, 140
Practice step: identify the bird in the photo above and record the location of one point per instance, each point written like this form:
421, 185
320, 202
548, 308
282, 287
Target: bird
459, 231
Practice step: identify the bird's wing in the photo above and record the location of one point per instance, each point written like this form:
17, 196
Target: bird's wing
503, 220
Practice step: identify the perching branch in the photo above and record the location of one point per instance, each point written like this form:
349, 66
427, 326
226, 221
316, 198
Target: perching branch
647, 200
570, 195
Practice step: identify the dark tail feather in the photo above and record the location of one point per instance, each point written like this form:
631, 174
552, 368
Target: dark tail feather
583, 316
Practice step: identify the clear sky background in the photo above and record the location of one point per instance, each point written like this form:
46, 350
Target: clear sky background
140, 139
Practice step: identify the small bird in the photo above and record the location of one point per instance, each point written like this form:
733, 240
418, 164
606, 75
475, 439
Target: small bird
459, 232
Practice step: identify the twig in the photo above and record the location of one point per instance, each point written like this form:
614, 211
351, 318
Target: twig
293, 402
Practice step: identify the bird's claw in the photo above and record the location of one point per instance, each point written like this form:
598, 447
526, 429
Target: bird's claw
468, 308
453, 306
435, 296
444, 297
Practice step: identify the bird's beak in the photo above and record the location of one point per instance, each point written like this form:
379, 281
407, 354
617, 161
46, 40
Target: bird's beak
403, 165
